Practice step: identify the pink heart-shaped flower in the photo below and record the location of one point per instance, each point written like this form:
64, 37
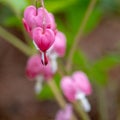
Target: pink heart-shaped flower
43, 39
37, 17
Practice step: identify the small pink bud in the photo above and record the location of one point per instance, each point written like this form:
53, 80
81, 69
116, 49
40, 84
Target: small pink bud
81, 82
65, 114
59, 45
68, 88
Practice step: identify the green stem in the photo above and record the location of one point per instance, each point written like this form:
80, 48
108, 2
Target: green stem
82, 114
102, 103
16, 42
58, 95
79, 34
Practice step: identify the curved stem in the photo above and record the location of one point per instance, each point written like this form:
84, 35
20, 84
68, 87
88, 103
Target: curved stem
82, 114
79, 34
16, 42
42, 3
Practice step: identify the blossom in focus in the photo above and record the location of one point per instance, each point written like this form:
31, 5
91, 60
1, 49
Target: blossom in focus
64, 114
76, 87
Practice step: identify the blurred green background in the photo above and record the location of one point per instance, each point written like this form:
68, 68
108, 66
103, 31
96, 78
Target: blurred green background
69, 15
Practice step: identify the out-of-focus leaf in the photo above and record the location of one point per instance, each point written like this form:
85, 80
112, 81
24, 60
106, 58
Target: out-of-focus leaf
58, 5
107, 62
80, 61
16, 5
93, 20
99, 70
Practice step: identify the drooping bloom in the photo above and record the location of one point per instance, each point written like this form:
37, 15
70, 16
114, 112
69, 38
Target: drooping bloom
77, 87
43, 40
36, 70
65, 114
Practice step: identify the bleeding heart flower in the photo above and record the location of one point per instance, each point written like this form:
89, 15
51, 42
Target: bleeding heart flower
76, 88
43, 40
36, 17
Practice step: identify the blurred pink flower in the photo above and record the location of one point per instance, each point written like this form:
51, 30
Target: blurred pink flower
35, 68
77, 87
64, 114
59, 46
81, 82
68, 88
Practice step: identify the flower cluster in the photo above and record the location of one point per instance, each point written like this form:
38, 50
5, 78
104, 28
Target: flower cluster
41, 26
76, 87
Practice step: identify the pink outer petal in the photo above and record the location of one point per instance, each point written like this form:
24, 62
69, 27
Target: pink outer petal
34, 66
68, 88
43, 18
52, 22
60, 44
81, 82
43, 40
47, 71
29, 15
26, 27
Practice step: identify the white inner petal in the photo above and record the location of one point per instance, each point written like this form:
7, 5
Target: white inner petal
38, 85
35, 45
83, 100
42, 57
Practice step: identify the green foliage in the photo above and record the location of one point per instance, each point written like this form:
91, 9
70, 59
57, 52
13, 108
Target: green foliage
99, 69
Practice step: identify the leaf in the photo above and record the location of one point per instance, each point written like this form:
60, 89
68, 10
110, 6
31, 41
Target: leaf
58, 5
16, 5
99, 70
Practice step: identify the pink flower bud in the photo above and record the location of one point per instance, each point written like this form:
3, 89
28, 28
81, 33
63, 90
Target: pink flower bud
59, 45
64, 114
68, 88
81, 82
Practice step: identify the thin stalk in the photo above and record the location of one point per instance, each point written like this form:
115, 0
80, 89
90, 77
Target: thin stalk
58, 95
16, 42
79, 34
82, 114
102, 104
